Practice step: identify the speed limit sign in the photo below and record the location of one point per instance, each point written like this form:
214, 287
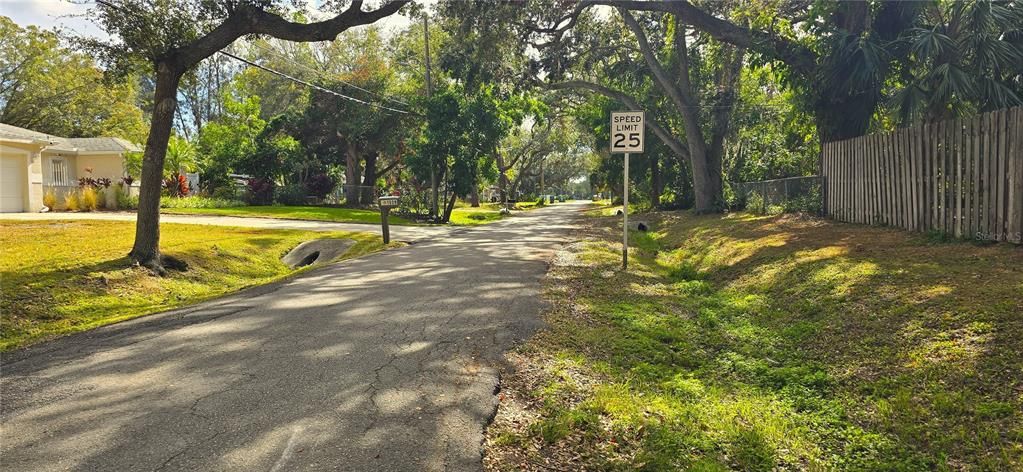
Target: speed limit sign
627, 131
626, 138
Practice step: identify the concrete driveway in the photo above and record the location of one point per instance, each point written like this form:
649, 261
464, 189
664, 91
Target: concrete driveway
400, 233
388, 362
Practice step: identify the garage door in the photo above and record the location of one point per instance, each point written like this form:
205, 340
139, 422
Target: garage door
12, 184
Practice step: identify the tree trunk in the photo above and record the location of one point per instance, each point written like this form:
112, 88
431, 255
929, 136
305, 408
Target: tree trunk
728, 83
502, 185
656, 186
351, 175
448, 207
369, 179
146, 250
434, 190
474, 197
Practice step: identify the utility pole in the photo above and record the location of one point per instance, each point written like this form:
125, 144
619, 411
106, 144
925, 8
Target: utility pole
429, 93
541, 182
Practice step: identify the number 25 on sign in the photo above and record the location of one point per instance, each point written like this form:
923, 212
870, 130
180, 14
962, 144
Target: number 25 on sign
626, 137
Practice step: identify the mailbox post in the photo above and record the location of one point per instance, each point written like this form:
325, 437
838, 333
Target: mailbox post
386, 203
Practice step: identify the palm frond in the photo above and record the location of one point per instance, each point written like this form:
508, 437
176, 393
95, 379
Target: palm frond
996, 95
951, 82
930, 43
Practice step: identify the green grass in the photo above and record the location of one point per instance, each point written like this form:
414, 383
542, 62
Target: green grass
316, 213
462, 215
465, 215
196, 201
772, 343
605, 208
60, 277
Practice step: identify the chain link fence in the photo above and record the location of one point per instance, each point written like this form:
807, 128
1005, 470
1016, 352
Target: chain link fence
792, 194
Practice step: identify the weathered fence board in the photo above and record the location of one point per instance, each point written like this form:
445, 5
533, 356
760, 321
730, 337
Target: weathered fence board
962, 177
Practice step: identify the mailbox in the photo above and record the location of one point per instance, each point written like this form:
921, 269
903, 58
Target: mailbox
388, 201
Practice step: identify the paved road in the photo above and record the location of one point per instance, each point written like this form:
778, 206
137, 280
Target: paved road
387, 362
398, 232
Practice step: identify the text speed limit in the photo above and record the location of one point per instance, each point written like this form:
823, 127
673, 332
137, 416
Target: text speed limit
627, 131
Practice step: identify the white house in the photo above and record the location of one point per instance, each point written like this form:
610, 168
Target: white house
32, 163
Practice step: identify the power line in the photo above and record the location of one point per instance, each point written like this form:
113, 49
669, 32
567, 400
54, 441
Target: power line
320, 74
106, 3
314, 86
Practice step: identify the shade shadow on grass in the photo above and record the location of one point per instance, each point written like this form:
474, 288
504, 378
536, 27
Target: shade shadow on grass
749, 343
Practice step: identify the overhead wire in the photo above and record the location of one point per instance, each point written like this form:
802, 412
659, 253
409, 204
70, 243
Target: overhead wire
268, 50
106, 3
314, 86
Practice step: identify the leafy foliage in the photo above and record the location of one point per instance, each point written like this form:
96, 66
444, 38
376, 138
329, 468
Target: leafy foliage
53, 89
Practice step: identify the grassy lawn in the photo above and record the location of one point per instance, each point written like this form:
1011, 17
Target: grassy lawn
65, 276
770, 343
462, 215
606, 208
465, 215
317, 213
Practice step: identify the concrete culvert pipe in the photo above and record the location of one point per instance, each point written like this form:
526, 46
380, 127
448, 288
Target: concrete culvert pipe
317, 251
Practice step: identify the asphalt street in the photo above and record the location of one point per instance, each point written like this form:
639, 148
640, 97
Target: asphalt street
387, 362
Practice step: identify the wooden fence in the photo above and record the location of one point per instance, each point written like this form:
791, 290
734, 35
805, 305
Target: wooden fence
962, 177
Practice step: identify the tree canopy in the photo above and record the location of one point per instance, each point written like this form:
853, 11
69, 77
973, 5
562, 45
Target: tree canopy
496, 96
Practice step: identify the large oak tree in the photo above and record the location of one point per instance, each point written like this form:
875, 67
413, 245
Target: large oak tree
172, 37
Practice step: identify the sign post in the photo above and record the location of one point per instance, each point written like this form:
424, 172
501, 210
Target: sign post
627, 137
386, 203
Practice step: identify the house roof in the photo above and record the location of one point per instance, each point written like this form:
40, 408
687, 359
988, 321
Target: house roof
103, 144
57, 143
14, 132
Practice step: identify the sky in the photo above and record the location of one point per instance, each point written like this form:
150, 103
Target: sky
68, 15
51, 13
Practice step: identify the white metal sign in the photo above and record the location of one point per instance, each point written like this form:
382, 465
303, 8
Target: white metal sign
627, 131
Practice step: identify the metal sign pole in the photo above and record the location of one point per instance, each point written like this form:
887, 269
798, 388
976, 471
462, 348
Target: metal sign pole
625, 216
626, 137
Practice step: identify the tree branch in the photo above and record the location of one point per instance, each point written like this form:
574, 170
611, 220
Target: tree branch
791, 53
249, 19
630, 102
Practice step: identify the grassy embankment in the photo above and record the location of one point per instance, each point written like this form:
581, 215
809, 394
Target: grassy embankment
462, 215
766, 343
314, 213
465, 215
60, 277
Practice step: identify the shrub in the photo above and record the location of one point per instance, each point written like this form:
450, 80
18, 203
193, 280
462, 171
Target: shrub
260, 191
124, 199
89, 200
755, 204
291, 194
50, 199
196, 201
226, 192
810, 202
71, 202
320, 185
176, 186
